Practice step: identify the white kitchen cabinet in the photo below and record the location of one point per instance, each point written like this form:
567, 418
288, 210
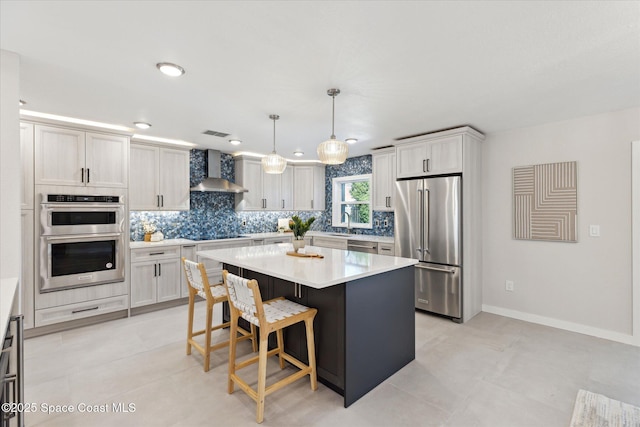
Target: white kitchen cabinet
424, 156
386, 249
155, 275
72, 157
212, 267
330, 242
309, 188
384, 179
26, 155
27, 283
272, 192
159, 178
285, 238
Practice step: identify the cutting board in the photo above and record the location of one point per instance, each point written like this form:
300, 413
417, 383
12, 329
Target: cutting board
301, 255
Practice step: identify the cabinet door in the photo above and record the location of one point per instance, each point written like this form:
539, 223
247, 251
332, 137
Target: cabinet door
143, 283
446, 155
27, 284
174, 179
286, 189
382, 182
411, 159
143, 178
59, 156
303, 188
107, 160
319, 190
271, 193
26, 155
168, 280
249, 175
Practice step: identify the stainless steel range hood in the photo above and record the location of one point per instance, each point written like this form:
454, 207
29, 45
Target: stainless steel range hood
214, 182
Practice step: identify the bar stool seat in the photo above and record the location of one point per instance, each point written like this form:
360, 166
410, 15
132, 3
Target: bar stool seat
270, 316
198, 284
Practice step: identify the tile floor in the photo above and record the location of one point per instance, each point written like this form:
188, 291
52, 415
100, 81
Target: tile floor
491, 371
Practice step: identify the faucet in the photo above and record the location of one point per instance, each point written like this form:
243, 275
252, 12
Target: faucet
348, 222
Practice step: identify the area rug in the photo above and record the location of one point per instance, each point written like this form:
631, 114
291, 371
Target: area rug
596, 410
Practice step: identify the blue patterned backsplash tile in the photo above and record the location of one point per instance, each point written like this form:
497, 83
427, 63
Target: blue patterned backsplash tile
212, 215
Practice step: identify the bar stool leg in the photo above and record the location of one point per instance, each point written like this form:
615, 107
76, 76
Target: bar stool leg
190, 325
311, 347
233, 340
207, 331
262, 375
280, 337
254, 338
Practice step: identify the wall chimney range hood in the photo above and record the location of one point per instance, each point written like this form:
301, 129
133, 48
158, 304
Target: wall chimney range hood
214, 182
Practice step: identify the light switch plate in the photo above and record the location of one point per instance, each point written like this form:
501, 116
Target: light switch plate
594, 230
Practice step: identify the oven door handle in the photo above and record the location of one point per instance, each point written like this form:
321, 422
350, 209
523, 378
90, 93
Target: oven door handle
83, 236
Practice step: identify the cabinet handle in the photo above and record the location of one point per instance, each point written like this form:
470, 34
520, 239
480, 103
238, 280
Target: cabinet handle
88, 176
159, 269
282, 203
424, 167
428, 167
311, 203
85, 309
190, 246
158, 200
162, 200
155, 270
82, 174
156, 253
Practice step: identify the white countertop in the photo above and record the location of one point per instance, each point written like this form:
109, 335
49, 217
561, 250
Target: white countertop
8, 292
337, 266
250, 236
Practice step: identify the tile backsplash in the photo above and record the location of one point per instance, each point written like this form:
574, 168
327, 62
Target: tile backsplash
212, 215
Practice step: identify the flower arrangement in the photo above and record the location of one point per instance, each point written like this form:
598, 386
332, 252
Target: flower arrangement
149, 227
300, 227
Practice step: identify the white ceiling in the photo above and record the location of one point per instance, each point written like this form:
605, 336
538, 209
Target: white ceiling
403, 68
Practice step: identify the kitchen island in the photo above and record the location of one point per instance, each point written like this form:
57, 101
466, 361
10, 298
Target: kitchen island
365, 326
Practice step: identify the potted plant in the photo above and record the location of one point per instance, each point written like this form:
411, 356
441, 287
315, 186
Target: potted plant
299, 228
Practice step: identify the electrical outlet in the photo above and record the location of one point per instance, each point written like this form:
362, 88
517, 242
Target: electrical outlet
386, 222
244, 222
594, 230
508, 285
377, 222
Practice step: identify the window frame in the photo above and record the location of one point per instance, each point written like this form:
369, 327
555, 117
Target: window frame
336, 202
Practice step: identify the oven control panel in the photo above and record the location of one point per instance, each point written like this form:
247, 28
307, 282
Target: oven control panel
72, 198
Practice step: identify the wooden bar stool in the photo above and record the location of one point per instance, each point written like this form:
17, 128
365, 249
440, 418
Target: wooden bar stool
270, 316
199, 285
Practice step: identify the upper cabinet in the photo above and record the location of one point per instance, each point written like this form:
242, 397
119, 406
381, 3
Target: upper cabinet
309, 188
384, 179
72, 157
425, 156
26, 154
272, 192
159, 178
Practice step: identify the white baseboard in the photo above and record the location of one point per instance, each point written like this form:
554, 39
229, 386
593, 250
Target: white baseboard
562, 324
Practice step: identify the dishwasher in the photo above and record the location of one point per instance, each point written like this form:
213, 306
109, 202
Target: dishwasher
360, 246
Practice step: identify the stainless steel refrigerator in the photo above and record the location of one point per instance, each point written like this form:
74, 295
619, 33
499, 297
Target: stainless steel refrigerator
428, 227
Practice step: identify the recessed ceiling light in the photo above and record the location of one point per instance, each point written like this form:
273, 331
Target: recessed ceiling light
21, 102
350, 140
235, 142
142, 125
170, 69
298, 153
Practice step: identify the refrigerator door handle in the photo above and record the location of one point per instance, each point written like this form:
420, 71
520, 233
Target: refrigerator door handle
425, 218
442, 270
421, 230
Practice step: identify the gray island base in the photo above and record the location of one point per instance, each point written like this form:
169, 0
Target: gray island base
365, 326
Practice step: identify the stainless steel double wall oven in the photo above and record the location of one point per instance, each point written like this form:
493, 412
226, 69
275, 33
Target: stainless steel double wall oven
82, 240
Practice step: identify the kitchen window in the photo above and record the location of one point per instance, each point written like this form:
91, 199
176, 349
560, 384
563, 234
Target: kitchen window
351, 202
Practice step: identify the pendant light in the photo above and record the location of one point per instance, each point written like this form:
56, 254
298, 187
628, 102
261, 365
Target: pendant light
333, 151
274, 163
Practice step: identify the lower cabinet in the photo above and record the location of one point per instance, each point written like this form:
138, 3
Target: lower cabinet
155, 275
328, 326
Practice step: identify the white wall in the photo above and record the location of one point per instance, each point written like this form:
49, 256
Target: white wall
584, 286
9, 165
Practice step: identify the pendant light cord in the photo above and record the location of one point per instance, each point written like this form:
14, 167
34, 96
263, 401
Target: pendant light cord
333, 116
274, 135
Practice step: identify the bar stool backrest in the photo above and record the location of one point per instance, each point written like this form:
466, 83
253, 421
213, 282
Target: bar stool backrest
197, 277
245, 296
